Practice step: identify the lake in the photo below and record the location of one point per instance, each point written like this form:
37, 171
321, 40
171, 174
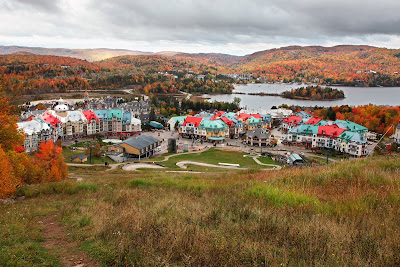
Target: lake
355, 96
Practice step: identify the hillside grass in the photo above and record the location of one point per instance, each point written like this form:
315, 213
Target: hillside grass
344, 214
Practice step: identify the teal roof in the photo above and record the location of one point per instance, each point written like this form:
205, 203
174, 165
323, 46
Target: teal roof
346, 135
156, 125
352, 126
216, 138
309, 129
101, 113
253, 120
179, 118
352, 136
321, 123
212, 124
115, 112
229, 115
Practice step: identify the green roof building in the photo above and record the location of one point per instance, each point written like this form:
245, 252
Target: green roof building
214, 130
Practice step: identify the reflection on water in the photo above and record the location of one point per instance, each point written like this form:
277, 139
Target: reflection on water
354, 96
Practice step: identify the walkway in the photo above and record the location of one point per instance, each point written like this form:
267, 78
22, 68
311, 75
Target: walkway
135, 166
182, 165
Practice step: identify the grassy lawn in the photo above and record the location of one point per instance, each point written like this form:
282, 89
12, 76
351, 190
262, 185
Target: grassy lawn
214, 156
344, 214
68, 153
268, 160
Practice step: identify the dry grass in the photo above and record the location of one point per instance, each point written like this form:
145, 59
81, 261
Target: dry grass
336, 215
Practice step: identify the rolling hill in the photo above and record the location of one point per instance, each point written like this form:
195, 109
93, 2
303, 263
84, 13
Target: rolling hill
85, 54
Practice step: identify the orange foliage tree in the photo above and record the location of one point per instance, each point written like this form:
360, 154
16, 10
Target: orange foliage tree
8, 180
9, 135
51, 162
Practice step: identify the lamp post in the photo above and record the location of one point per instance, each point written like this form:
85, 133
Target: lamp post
90, 153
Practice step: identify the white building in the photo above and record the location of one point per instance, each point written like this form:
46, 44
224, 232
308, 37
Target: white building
396, 136
35, 131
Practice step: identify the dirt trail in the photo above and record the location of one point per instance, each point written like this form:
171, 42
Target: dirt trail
62, 246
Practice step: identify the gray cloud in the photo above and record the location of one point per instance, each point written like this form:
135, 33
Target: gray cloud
212, 23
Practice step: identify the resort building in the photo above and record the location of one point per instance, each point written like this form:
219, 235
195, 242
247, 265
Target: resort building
258, 137
35, 132
396, 136
213, 130
352, 143
139, 147
190, 127
343, 136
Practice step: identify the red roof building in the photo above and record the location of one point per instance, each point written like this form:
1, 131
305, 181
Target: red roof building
313, 121
257, 116
293, 120
220, 113
50, 119
192, 120
330, 131
90, 115
244, 116
227, 121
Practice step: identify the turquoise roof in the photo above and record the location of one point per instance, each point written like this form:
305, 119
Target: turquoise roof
352, 136
352, 126
216, 138
212, 124
101, 113
229, 115
253, 120
156, 125
346, 135
266, 118
321, 123
115, 112
179, 118
309, 129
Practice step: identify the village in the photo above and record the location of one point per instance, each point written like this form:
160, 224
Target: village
278, 135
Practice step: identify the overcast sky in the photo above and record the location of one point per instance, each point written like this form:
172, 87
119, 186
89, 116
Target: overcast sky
225, 26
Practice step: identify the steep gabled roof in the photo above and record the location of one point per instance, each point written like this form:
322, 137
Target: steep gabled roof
193, 120
227, 121
101, 113
330, 131
313, 121
90, 115
293, 119
351, 126
52, 120
115, 112
303, 114
243, 116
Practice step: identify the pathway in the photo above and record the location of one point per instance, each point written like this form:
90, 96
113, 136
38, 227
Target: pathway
135, 166
182, 165
62, 246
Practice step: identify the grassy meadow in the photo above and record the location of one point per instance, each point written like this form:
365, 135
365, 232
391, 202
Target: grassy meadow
344, 214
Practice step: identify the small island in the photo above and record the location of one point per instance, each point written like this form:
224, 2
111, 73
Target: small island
314, 93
